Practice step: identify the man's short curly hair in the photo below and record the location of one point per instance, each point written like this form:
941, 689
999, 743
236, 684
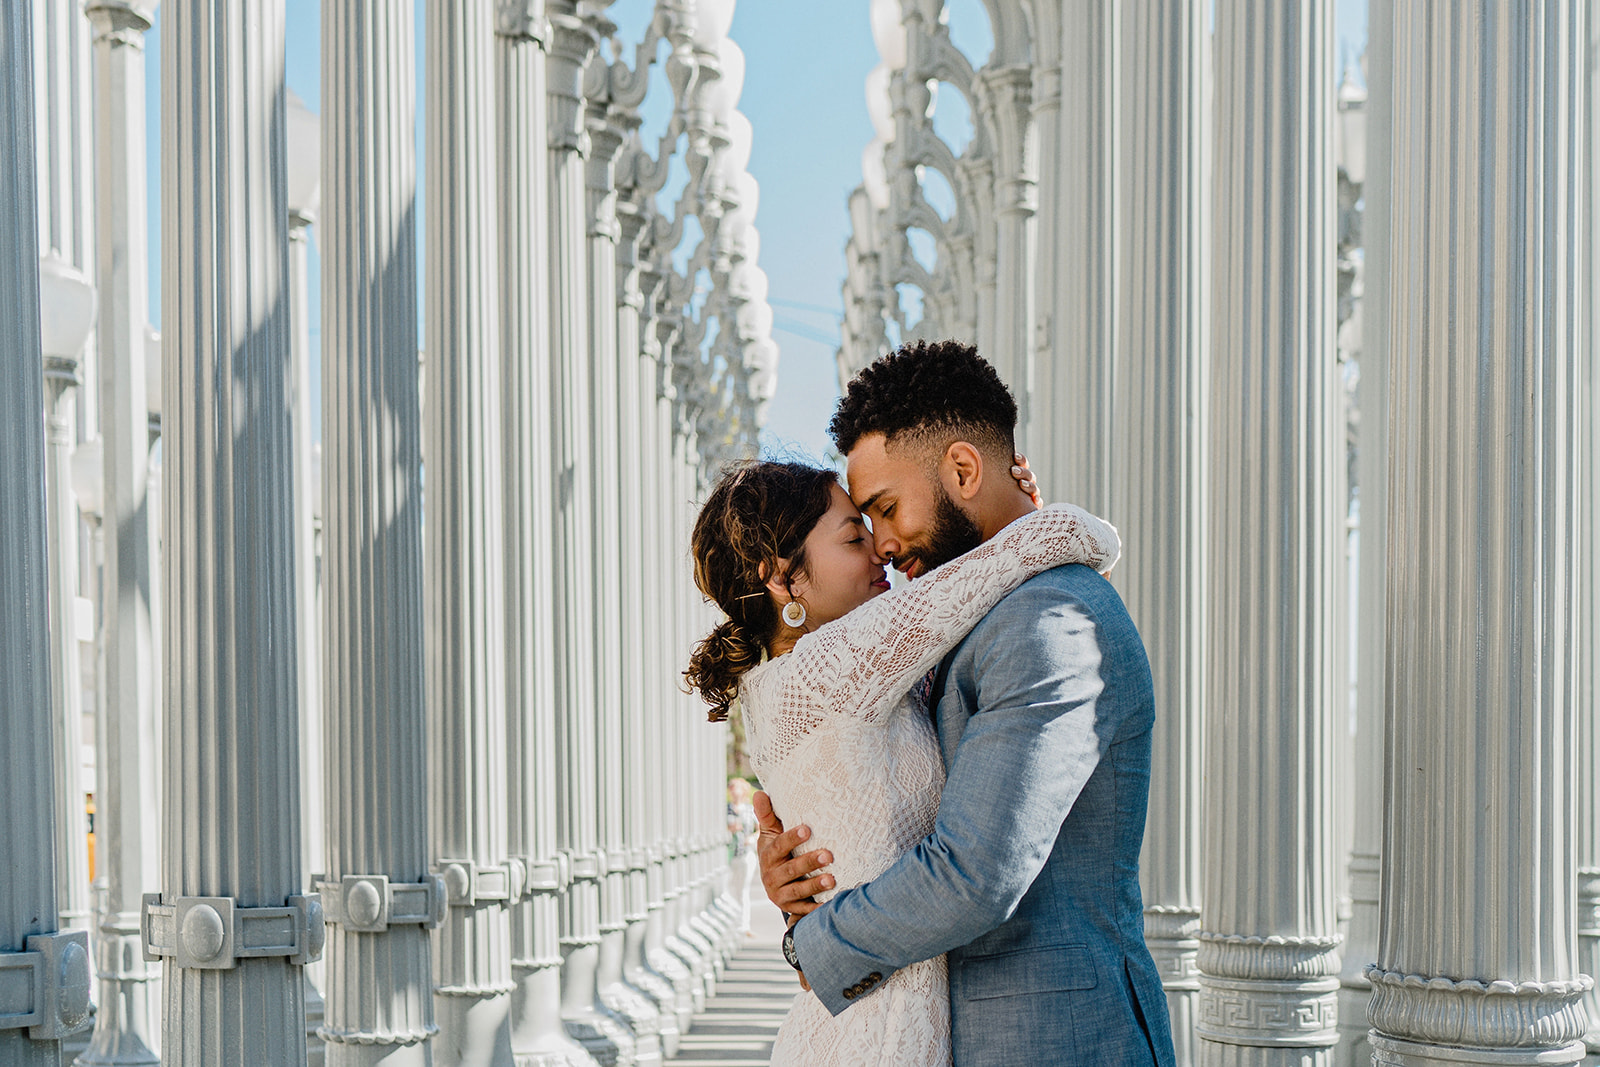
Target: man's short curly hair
937, 388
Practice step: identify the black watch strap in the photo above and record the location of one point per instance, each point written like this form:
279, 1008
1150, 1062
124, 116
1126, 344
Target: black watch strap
789, 953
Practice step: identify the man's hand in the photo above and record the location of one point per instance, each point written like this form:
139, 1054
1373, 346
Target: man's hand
786, 877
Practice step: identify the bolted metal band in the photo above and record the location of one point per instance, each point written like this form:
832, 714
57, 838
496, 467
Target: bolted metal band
548, 875
45, 988
370, 903
468, 884
214, 933
588, 866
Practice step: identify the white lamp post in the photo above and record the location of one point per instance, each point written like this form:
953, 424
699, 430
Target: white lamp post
30, 938
303, 133
66, 321
888, 33
117, 484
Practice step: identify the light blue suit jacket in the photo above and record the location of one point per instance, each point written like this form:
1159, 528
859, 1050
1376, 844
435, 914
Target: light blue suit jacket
1030, 879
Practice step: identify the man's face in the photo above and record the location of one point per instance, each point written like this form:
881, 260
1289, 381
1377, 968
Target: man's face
914, 521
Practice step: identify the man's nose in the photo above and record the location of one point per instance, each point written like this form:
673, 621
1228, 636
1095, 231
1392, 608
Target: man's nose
883, 545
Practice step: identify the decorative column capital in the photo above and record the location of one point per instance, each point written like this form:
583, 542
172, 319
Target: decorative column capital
570, 44
119, 22
523, 20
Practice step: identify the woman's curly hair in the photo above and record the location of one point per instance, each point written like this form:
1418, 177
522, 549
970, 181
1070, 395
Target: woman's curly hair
759, 513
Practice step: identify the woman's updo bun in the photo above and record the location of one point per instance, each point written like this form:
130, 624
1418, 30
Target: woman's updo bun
759, 513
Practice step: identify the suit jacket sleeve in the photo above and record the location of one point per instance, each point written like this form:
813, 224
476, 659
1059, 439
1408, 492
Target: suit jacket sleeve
1035, 739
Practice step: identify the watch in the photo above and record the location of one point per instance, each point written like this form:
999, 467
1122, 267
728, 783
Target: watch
788, 949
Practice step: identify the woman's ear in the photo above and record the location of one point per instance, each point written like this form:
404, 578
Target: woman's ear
778, 580
962, 470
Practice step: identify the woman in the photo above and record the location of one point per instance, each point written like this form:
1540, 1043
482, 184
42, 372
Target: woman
829, 668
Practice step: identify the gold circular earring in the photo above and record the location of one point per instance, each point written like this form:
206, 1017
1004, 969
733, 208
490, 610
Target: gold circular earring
794, 614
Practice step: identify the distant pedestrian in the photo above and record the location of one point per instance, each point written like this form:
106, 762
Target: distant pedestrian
742, 831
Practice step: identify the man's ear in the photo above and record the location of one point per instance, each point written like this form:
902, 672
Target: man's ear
962, 470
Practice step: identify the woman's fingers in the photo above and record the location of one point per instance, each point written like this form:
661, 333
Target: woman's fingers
1027, 481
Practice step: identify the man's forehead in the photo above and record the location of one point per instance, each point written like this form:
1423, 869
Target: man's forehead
873, 468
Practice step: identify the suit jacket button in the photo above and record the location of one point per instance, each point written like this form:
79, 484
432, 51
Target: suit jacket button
874, 977
850, 994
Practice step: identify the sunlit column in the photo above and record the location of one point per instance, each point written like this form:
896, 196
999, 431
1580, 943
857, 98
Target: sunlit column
977, 189
126, 814
29, 923
643, 697
304, 199
698, 949
65, 160
67, 309
379, 892
606, 462
572, 43
231, 867
1476, 956
1588, 621
665, 557
1158, 460
1073, 405
463, 555
537, 1036
683, 940
1007, 93
1372, 476
1268, 955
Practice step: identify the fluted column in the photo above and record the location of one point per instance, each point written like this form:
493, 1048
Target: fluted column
664, 558
463, 557
61, 381
379, 891
606, 369
699, 950
1476, 957
28, 918
126, 814
1588, 622
1008, 93
1074, 402
65, 175
537, 1036
572, 43
642, 695
1268, 956
1158, 461
307, 676
1372, 477
231, 864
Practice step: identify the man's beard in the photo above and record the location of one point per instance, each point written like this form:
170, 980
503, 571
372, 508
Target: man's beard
953, 534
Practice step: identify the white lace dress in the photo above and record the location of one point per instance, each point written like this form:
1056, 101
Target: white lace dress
840, 736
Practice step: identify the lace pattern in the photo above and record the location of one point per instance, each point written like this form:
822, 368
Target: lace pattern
840, 737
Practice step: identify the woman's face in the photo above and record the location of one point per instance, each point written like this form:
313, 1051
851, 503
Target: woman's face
842, 569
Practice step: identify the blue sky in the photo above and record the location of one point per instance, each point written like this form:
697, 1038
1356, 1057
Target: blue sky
803, 95
806, 61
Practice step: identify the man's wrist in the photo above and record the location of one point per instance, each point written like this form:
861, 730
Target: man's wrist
789, 954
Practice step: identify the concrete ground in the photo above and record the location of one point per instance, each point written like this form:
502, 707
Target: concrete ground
738, 1025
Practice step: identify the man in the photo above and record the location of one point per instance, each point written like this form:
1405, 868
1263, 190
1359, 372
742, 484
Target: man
1030, 878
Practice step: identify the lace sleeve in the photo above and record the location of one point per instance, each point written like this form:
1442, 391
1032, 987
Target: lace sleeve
863, 663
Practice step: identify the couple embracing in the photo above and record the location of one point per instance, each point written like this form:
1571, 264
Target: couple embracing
963, 764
